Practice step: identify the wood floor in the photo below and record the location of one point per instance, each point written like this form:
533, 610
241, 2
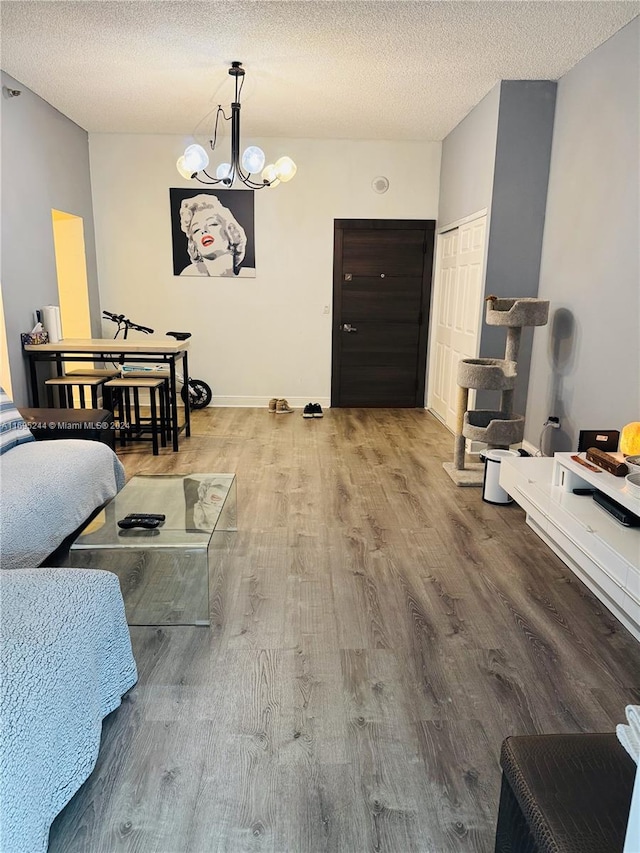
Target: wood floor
376, 633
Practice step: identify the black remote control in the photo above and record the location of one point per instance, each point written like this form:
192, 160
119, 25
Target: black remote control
621, 514
157, 515
584, 491
136, 521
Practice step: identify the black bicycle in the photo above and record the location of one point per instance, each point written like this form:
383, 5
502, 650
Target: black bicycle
196, 391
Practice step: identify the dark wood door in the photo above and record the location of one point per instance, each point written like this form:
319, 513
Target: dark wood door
381, 293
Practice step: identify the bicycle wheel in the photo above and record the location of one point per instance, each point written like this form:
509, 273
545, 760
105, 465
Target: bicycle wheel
200, 394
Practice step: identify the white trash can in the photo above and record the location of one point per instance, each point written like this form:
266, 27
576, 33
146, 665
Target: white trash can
492, 491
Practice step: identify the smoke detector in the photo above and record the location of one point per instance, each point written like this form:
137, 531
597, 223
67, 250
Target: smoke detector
380, 184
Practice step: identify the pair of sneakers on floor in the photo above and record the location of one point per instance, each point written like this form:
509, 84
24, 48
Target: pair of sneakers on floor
312, 410
279, 406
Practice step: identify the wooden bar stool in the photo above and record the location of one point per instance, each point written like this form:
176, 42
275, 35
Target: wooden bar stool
132, 425
156, 374
65, 386
107, 372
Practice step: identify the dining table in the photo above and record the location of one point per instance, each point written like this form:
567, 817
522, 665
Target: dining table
152, 351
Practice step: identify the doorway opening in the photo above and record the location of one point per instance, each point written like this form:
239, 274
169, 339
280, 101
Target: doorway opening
73, 287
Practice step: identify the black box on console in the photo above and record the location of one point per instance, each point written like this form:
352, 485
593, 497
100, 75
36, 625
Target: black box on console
603, 439
89, 424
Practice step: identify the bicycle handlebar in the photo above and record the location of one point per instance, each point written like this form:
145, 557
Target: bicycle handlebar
138, 328
116, 318
121, 320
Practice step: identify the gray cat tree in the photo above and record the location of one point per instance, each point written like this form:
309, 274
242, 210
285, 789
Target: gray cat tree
497, 428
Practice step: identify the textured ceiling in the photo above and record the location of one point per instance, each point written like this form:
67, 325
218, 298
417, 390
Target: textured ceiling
359, 70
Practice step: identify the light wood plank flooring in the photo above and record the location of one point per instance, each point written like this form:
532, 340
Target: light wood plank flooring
376, 633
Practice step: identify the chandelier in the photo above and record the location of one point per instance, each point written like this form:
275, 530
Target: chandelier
195, 160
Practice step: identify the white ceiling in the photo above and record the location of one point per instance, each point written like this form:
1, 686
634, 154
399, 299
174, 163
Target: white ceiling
359, 70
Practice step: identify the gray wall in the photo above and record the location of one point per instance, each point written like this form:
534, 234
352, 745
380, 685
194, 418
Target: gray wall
586, 363
468, 158
45, 165
521, 174
498, 158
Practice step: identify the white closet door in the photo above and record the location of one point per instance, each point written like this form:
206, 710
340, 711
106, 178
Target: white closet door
458, 311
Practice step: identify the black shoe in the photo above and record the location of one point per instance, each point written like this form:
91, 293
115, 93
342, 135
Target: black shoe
317, 411
308, 411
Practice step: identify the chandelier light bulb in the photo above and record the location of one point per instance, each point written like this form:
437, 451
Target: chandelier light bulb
285, 169
195, 158
240, 169
223, 171
253, 159
181, 166
269, 174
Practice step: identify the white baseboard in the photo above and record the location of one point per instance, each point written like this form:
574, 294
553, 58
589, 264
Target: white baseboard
438, 418
263, 402
531, 449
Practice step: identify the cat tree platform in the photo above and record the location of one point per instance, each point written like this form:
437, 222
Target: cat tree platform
489, 426
487, 374
493, 427
517, 312
471, 475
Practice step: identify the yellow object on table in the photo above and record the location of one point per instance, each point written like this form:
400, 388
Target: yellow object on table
630, 439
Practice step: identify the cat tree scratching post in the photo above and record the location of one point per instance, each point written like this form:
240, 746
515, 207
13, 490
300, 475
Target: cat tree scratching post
458, 450
497, 428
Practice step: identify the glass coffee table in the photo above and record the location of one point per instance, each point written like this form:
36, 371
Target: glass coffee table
164, 573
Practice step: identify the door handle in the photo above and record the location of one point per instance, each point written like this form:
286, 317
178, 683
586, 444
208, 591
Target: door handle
347, 327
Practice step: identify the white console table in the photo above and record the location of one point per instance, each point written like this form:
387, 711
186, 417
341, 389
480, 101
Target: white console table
603, 553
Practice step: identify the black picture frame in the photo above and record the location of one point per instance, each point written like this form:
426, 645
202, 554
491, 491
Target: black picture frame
241, 206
